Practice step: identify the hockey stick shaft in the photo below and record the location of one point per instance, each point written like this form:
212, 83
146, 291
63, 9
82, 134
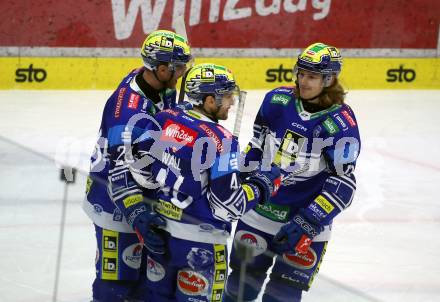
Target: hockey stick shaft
180, 28
182, 87
239, 114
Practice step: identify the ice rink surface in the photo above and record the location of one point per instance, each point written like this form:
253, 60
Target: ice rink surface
385, 247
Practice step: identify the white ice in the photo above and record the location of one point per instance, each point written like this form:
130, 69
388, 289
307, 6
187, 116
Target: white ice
386, 247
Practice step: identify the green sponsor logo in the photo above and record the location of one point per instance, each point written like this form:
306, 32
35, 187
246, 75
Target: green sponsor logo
280, 99
274, 212
331, 127
318, 47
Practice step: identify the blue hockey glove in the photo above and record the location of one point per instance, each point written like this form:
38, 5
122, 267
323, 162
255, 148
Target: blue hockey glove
297, 234
268, 182
145, 221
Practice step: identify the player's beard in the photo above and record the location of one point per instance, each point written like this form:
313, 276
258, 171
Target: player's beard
222, 113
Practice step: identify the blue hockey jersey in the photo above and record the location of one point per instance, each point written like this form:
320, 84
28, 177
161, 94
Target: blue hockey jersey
317, 155
196, 171
126, 111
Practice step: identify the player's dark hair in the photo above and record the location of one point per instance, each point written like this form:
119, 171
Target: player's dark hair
205, 96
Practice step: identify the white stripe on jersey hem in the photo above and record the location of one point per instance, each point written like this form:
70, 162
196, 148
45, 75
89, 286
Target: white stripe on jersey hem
193, 232
105, 220
266, 225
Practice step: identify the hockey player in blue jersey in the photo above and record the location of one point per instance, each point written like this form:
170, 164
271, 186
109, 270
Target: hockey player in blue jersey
317, 142
200, 193
111, 189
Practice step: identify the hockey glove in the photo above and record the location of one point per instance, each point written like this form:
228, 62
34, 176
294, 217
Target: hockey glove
268, 182
297, 234
145, 221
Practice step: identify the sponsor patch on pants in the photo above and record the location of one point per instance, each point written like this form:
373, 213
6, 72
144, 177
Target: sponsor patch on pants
109, 264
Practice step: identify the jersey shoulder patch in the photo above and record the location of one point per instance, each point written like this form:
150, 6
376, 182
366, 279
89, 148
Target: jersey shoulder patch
284, 89
348, 114
342, 119
175, 129
276, 101
281, 96
224, 131
330, 125
218, 134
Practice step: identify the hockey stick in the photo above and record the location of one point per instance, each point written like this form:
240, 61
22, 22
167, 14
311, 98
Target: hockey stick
180, 27
182, 87
239, 114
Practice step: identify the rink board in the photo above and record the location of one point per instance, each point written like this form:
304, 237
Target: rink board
78, 73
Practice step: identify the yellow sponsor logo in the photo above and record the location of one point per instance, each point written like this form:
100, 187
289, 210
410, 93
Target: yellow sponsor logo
319, 264
357, 73
169, 210
249, 192
247, 149
324, 204
220, 254
109, 265
88, 184
220, 273
132, 200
